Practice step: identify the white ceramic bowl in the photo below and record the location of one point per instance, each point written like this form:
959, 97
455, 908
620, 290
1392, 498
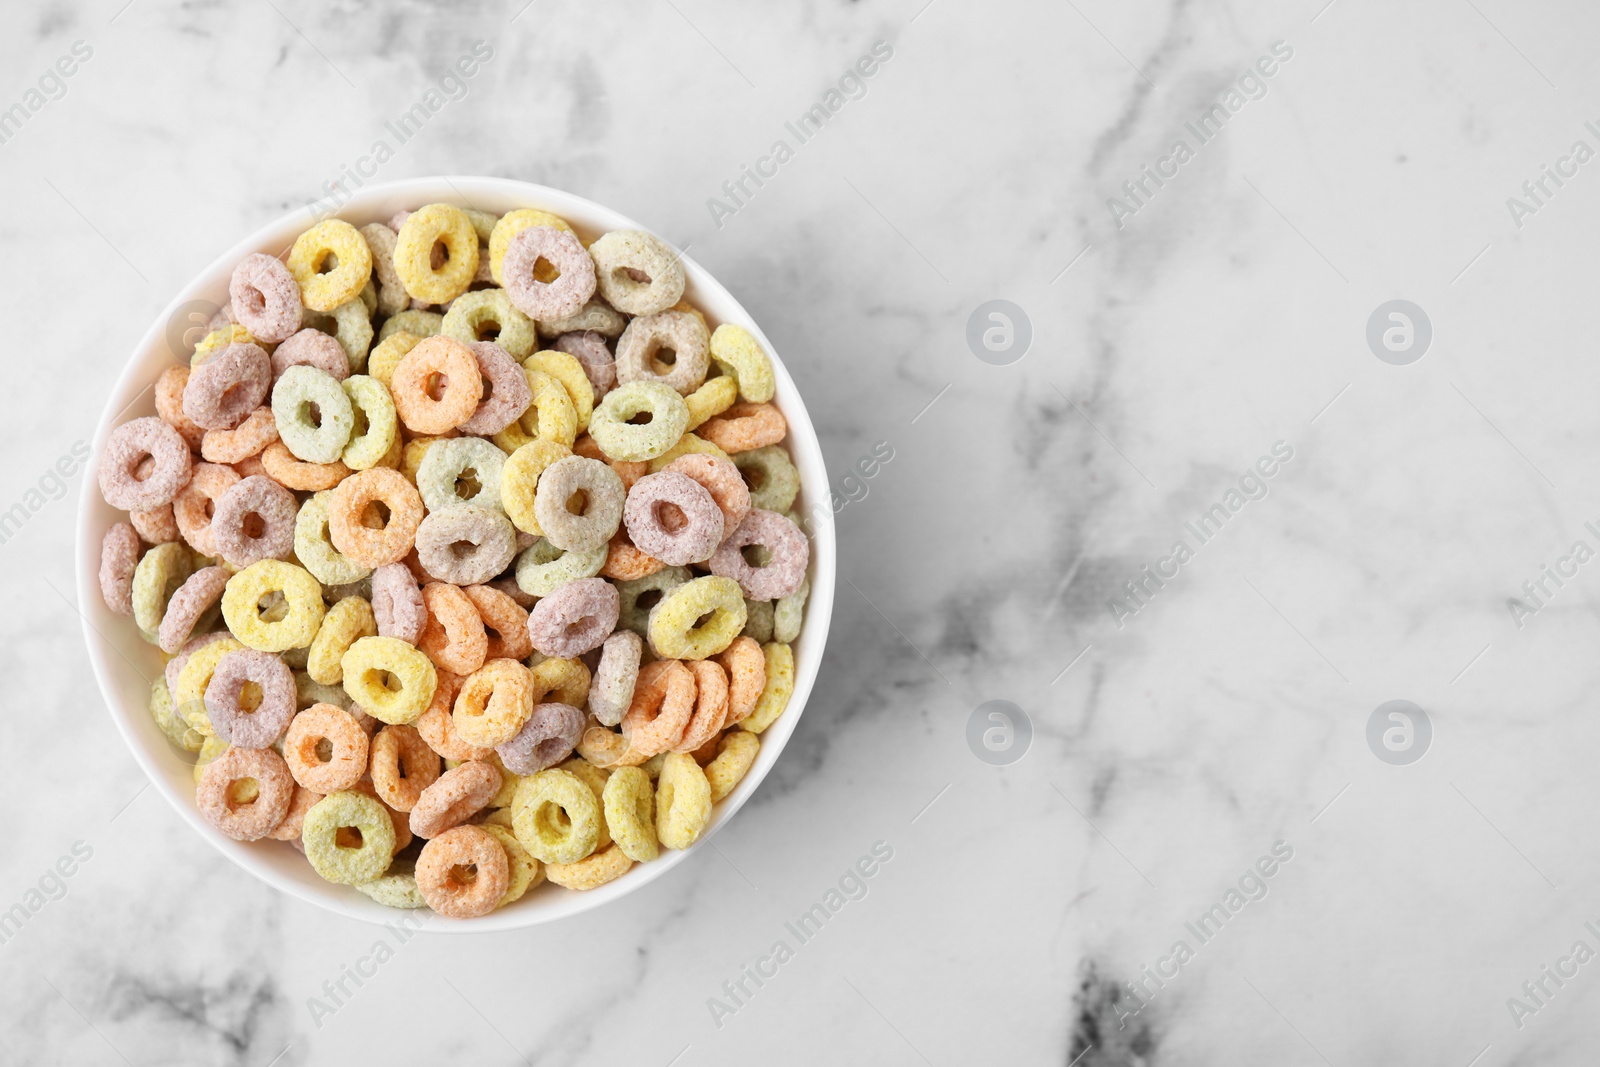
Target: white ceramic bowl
125, 664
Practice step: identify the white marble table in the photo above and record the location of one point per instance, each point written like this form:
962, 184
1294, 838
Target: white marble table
1177, 337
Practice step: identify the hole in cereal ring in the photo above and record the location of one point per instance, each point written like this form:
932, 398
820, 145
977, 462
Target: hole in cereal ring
578, 502
390, 681
704, 620
467, 484
647, 599
436, 385
633, 273
313, 413
753, 477
756, 555
641, 419
488, 386
328, 263
464, 874
462, 550
375, 516
348, 837
663, 360
488, 331
145, 467
438, 255
324, 750
670, 517
243, 791
211, 506
545, 271
272, 607
253, 526
250, 696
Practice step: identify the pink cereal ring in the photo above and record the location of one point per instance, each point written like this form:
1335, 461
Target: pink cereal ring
673, 518
119, 556
782, 574
454, 797
226, 388
589, 349
254, 520
258, 818
558, 299
196, 596
241, 727
311, 348
722, 479
196, 502
265, 298
547, 738
124, 482
574, 619
397, 603
506, 393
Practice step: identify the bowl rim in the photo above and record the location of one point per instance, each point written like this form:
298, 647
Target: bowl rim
585, 215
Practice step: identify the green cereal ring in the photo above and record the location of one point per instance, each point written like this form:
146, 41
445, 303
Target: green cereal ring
739, 354
543, 568
398, 888
389, 679
634, 615
788, 612
309, 691
760, 617
773, 480
779, 688
313, 549
622, 440
176, 729
353, 331
329, 845
335, 243
413, 253
461, 471
556, 816
630, 802
488, 315
271, 623
621, 257
159, 574
483, 223
421, 323
673, 631
375, 424
314, 416
525, 870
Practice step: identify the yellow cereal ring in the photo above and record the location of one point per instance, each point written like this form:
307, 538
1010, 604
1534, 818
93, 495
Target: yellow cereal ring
736, 754
413, 253
591, 872
189, 690
556, 816
683, 801
383, 360
176, 729
779, 688
333, 851
566, 369
508, 784
673, 630
511, 224
525, 870
711, 399
740, 356
265, 629
377, 428
688, 444
551, 416
596, 779
210, 749
220, 338
561, 681
519, 481
330, 239
411, 457
392, 681
630, 803
344, 623
494, 703
159, 574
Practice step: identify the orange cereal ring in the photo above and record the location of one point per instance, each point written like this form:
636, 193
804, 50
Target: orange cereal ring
710, 706
169, 405
506, 621
436, 385
454, 637
156, 525
745, 426
625, 563
747, 676
592, 871
721, 478
663, 702
360, 531
605, 748
455, 797
402, 766
249, 438
325, 727
295, 818
494, 703
292, 473
463, 872
351, 264
193, 506
219, 801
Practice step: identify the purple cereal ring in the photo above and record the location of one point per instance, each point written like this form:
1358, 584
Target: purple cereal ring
611, 692
466, 545
782, 574
123, 481
197, 595
254, 520
589, 349
225, 389
506, 394
311, 348
575, 618
398, 219
673, 518
397, 603
261, 727
548, 737
190, 647
547, 300
265, 298
119, 556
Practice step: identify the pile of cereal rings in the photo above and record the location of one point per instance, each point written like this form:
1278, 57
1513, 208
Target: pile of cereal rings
469, 545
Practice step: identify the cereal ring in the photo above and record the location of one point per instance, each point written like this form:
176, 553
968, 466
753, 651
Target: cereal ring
463, 873
710, 706
713, 398
426, 227
721, 479
506, 392
194, 678
630, 806
589, 349
119, 557
226, 698
397, 605
121, 482
466, 545
778, 689
228, 387
422, 324
253, 520
375, 429
160, 573
611, 693
266, 629
489, 315
635, 599
625, 563
745, 426
549, 415
493, 704
157, 525
786, 567
457, 795
343, 624
547, 738
315, 551
758, 620
176, 664
672, 629
353, 332
220, 337
358, 527
325, 726
311, 348
336, 853
591, 872
605, 748
742, 358
663, 703
436, 386
563, 295
595, 317
526, 872
392, 681
294, 820
437, 724
383, 360
507, 228
615, 433
194, 599
169, 405
402, 766
392, 295
249, 438
282, 467
736, 754
620, 256
789, 612
461, 472
687, 445
542, 568
454, 637
561, 681
315, 419
574, 619
336, 240
566, 369
254, 819
747, 677
673, 518
641, 348
683, 802
505, 621
600, 497
771, 476
556, 816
